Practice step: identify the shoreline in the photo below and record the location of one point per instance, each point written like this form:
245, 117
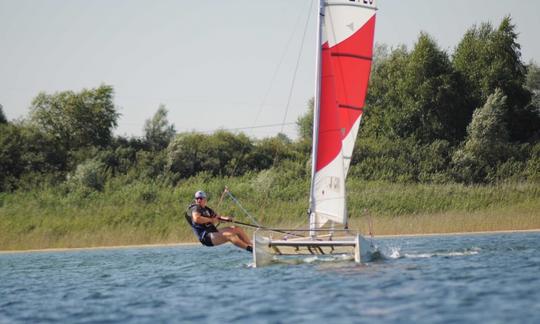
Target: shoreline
92, 248
158, 245
461, 233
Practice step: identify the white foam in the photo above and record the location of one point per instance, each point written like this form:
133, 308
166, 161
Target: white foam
392, 252
472, 251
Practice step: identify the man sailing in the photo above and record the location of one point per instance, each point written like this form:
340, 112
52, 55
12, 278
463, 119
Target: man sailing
203, 220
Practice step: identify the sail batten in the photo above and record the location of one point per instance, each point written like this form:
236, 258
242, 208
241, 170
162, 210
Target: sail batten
350, 107
346, 52
361, 57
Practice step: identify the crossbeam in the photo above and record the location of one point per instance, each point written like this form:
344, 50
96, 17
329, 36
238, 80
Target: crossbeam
311, 243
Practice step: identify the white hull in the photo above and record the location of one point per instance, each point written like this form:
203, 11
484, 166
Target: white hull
266, 250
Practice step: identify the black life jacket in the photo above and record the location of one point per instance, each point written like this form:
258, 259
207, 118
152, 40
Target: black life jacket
201, 230
188, 214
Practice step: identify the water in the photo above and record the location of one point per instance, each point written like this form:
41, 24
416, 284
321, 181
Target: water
483, 278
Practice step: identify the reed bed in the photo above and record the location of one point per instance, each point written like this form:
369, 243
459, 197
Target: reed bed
137, 212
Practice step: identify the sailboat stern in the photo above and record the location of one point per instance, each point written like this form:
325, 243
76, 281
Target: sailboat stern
363, 249
267, 250
262, 251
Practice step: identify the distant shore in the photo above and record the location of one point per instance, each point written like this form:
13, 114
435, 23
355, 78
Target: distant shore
124, 216
135, 246
139, 246
463, 233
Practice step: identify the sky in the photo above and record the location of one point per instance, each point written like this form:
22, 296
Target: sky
214, 64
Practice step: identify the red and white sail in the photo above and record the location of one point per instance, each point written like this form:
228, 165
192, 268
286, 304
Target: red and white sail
345, 63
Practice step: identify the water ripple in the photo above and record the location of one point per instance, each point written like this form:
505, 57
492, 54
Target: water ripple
489, 278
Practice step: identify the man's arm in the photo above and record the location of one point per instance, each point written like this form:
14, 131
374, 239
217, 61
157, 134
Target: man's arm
225, 218
200, 219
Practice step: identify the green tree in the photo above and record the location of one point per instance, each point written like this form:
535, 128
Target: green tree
272, 151
76, 119
532, 83
418, 95
381, 52
384, 95
490, 58
221, 153
3, 119
305, 123
487, 143
89, 175
25, 150
532, 80
150, 165
157, 131
11, 166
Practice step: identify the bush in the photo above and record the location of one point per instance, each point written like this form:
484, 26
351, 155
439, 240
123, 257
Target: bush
532, 167
486, 145
89, 175
384, 159
508, 170
26, 150
221, 153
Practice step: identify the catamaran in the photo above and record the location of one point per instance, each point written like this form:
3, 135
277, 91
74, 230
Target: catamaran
343, 64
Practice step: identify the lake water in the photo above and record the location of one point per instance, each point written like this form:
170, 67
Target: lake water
480, 278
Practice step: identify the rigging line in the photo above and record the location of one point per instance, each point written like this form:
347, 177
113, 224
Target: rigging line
297, 64
236, 129
288, 44
261, 126
270, 86
245, 147
265, 98
277, 230
257, 226
288, 100
241, 207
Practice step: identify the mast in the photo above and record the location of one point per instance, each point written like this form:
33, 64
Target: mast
316, 114
343, 64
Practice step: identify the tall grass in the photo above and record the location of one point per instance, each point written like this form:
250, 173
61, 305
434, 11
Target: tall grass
139, 212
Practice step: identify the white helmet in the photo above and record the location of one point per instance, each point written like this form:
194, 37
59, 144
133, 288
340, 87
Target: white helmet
200, 194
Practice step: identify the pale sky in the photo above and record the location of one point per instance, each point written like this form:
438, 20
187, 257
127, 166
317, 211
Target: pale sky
212, 63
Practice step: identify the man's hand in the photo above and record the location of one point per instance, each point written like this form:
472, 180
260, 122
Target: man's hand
225, 218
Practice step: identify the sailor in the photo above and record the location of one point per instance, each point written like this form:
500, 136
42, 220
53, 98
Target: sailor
203, 220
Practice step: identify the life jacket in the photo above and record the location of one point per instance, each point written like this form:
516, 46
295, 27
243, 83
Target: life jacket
188, 214
200, 230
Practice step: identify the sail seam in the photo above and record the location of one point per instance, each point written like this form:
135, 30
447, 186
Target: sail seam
350, 107
367, 58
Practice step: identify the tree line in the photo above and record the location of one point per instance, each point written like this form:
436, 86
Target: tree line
472, 116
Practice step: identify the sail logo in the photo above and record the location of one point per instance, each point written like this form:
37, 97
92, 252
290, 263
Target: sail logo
333, 184
328, 185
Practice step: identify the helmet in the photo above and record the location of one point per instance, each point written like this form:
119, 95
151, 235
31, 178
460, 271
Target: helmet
200, 194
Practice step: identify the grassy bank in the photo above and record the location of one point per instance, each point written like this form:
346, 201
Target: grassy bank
131, 212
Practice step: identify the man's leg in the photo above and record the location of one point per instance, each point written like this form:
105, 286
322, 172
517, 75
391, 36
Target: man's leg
240, 232
224, 236
232, 234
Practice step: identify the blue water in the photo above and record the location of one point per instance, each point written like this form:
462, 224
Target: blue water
482, 278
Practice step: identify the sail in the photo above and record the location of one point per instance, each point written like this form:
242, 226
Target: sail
345, 64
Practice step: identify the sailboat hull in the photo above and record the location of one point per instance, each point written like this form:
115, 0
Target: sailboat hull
267, 250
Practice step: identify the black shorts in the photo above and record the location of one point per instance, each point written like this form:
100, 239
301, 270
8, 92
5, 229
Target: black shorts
206, 240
